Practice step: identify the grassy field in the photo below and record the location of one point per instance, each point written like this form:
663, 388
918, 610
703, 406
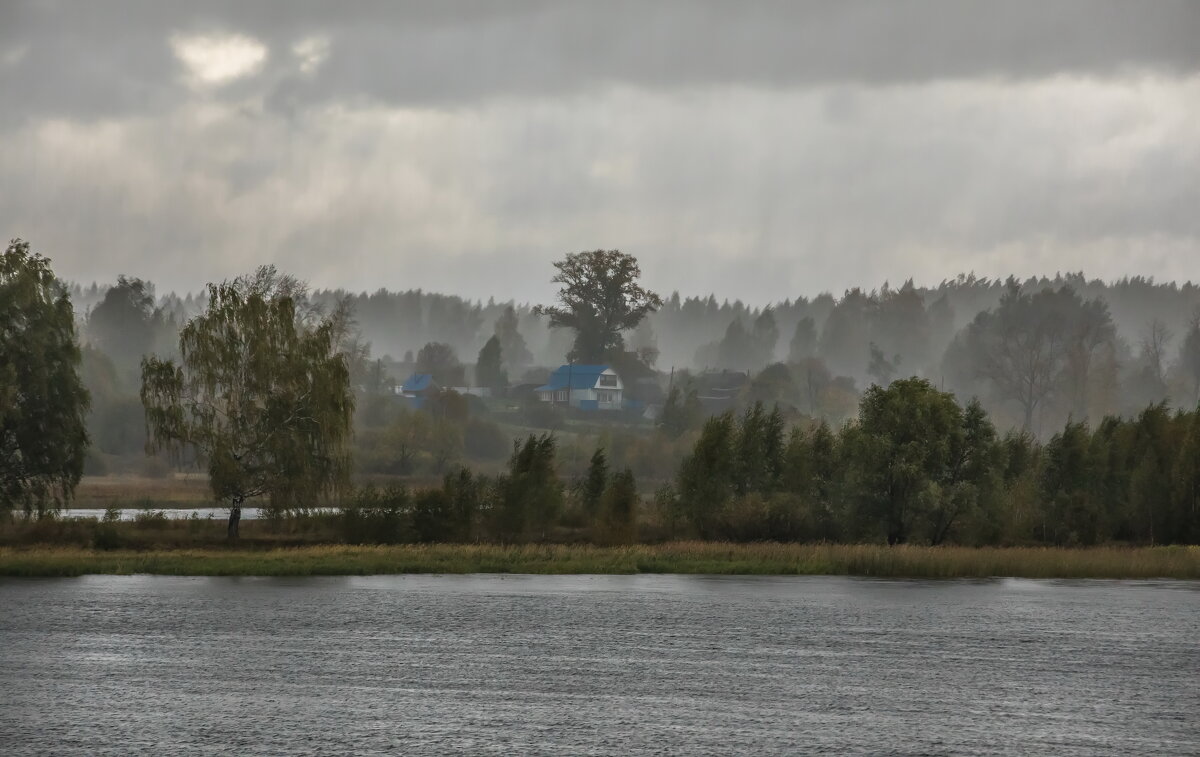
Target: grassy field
177, 490
678, 557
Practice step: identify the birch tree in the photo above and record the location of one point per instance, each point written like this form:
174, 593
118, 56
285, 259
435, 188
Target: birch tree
261, 393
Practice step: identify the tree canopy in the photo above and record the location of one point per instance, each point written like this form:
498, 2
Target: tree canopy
439, 360
489, 366
125, 325
600, 298
1033, 346
260, 391
43, 404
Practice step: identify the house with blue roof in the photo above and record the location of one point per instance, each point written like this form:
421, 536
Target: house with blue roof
419, 384
587, 387
417, 388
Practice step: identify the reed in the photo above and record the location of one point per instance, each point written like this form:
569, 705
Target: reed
676, 557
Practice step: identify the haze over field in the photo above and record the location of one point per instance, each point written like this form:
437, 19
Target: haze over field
761, 152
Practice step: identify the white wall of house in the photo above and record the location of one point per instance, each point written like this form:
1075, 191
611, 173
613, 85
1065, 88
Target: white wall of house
607, 392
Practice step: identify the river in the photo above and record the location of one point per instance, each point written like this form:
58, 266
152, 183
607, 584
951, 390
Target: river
625, 665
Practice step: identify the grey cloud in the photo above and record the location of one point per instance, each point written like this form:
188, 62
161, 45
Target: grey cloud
751, 193
101, 59
762, 150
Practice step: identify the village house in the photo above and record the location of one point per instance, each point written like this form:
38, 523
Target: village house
418, 388
586, 387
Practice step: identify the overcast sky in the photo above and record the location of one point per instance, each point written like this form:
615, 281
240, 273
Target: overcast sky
758, 150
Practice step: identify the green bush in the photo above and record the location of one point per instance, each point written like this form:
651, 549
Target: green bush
377, 516
432, 516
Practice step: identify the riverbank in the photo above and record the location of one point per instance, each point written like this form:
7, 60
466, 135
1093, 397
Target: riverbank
677, 557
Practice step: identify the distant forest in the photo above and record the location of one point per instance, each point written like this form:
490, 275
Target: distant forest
1035, 352
984, 412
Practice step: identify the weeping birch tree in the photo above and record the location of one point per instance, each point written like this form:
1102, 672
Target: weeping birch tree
261, 394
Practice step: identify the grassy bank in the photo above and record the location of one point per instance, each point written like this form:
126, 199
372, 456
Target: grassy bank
678, 557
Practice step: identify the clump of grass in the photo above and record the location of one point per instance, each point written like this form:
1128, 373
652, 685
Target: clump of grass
147, 518
676, 557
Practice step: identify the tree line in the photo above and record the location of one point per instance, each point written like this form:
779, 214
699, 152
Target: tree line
1086, 348
916, 466
263, 386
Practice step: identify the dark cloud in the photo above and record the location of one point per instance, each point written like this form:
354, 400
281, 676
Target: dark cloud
94, 59
761, 150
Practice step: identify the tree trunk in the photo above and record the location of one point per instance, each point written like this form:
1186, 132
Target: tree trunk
235, 516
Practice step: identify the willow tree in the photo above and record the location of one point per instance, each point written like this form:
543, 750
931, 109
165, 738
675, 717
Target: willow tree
261, 394
43, 404
600, 298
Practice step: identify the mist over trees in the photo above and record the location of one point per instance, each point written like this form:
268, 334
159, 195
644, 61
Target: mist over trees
1134, 341
979, 412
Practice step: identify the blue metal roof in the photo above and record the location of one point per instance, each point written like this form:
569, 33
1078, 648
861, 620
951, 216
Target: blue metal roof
418, 382
580, 377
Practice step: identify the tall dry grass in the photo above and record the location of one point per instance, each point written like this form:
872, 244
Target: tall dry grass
677, 557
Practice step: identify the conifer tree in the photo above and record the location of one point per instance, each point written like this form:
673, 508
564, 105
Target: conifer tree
489, 368
706, 477
620, 508
594, 483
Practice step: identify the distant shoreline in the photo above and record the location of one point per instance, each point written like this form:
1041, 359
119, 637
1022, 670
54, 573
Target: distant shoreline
676, 557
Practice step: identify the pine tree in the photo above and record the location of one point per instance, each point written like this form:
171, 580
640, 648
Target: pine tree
489, 369
620, 508
594, 483
706, 477
513, 349
1185, 482
681, 412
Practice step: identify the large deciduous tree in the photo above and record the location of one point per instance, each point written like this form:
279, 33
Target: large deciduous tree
43, 404
439, 360
902, 453
260, 392
1189, 359
125, 324
600, 298
1034, 346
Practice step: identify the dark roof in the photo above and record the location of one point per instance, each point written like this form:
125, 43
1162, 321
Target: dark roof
579, 376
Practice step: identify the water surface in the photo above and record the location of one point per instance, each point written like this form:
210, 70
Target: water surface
597, 665
170, 513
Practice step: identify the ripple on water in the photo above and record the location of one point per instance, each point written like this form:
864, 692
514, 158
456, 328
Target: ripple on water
597, 665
